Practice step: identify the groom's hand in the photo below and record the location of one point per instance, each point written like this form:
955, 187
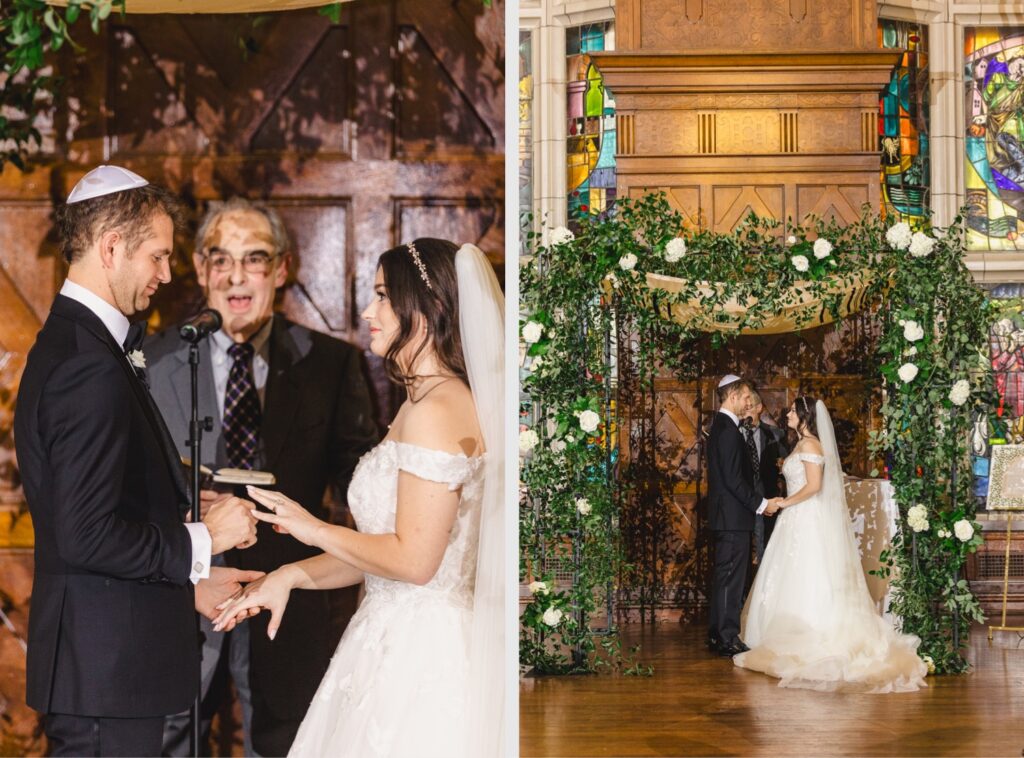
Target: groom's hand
224, 583
773, 506
231, 524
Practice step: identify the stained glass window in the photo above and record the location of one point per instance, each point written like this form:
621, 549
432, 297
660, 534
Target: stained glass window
590, 147
903, 125
994, 137
525, 130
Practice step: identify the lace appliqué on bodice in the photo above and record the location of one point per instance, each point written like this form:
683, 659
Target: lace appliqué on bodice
373, 499
795, 473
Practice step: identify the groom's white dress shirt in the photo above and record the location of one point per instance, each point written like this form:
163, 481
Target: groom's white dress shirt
117, 324
736, 420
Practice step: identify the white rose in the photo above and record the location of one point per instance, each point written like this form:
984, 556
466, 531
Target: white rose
560, 235
532, 332
960, 392
898, 236
627, 262
822, 248
557, 446
528, 440
910, 351
921, 245
912, 331
964, 530
791, 240
675, 249
583, 506
907, 372
800, 262
570, 439
539, 588
589, 421
553, 617
942, 533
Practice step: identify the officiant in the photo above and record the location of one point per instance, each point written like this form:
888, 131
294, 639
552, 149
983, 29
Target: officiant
286, 400
766, 445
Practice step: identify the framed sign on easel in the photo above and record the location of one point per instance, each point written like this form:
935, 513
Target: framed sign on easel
1006, 493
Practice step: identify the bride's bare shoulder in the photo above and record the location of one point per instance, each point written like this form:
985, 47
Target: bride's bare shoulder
443, 420
810, 445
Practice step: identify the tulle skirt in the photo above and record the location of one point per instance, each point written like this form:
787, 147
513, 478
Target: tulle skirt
397, 684
810, 621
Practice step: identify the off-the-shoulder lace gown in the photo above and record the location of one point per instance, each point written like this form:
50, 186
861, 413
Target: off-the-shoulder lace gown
809, 619
397, 683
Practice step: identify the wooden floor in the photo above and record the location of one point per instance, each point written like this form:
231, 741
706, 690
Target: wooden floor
698, 704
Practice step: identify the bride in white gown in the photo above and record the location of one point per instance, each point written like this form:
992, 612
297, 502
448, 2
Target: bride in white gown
809, 619
418, 671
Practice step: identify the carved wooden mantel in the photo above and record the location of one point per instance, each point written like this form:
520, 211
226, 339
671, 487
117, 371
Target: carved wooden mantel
723, 134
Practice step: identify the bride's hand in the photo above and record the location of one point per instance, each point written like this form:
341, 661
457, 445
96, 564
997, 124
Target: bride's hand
288, 517
271, 592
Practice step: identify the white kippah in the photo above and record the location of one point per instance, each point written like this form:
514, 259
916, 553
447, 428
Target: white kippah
728, 379
105, 180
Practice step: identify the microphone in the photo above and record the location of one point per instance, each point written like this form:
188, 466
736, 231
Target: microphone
207, 322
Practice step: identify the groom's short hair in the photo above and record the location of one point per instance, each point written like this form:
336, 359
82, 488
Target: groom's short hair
727, 389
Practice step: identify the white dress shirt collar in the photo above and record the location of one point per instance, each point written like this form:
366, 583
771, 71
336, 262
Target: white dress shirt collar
115, 321
258, 340
730, 414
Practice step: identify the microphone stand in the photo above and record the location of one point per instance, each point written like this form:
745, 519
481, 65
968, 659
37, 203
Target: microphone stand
196, 428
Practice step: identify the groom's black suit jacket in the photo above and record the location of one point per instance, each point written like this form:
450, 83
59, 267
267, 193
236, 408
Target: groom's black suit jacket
733, 498
317, 421
112, 629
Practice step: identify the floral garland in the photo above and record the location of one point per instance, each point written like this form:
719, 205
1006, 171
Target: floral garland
583, 291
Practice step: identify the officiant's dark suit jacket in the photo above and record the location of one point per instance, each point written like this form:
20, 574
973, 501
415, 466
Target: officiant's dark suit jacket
733, 497
317, 421
112, 630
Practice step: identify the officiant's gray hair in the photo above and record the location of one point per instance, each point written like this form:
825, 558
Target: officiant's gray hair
727, 389
236, 204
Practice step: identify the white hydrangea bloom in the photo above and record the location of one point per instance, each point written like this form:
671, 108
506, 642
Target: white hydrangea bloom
528, 440
917, 518
960, 392
627, 262
583, 506
675, 249
921, 245
898, 236
561, 235
532, 332
822, 248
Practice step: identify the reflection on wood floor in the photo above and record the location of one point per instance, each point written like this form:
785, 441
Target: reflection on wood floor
699, 704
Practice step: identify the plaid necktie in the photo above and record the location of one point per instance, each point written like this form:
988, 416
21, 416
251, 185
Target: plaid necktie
241, 409
755, 460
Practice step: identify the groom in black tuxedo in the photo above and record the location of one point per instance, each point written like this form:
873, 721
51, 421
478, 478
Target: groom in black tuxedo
733, 502
112, 630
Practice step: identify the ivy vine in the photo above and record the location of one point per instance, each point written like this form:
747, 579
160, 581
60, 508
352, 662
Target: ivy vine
595, 332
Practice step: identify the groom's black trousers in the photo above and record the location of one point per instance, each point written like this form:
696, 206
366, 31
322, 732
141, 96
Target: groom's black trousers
732, 554
90, 736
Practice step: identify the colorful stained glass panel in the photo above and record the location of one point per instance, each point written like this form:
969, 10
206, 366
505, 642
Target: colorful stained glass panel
994, 137
590, 142
525, 131
903, 120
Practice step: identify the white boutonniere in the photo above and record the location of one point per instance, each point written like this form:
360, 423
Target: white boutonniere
137, 359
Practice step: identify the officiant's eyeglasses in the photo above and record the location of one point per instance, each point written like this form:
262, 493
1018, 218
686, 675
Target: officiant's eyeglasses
253, 263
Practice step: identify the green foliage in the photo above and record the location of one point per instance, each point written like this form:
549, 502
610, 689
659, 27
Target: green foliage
582, 292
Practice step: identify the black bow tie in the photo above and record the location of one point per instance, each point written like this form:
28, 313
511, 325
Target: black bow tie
136, 336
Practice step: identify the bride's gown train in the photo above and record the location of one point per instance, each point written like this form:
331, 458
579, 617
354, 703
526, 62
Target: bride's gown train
809, 619
398, 682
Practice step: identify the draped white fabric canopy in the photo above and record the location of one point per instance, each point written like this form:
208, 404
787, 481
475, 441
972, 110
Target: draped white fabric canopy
212, 6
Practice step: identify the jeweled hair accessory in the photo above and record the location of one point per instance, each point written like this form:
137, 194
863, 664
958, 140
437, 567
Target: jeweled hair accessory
419, 264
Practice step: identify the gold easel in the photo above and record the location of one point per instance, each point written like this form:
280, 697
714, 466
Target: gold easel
1006, 582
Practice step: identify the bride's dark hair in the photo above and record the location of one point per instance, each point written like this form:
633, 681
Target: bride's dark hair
807, 418
420, 278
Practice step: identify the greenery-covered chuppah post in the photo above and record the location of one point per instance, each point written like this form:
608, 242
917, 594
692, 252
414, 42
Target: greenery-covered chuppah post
641, 275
